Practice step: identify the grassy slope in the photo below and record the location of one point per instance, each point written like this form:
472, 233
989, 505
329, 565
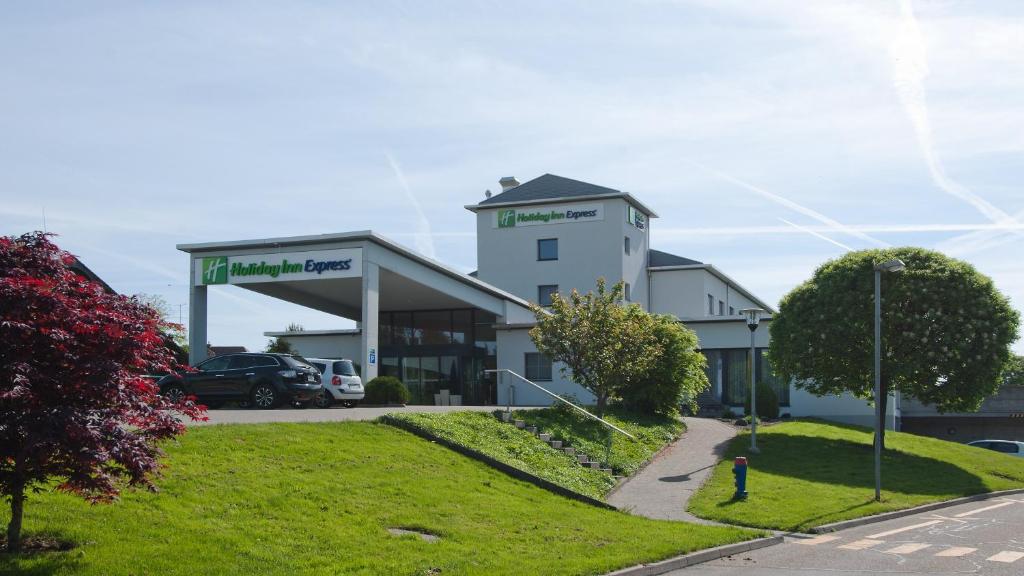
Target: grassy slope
590, 437
316, 499
483, 432
812, 473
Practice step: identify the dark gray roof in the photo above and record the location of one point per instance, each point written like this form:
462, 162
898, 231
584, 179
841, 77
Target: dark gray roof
548, 187
657, 258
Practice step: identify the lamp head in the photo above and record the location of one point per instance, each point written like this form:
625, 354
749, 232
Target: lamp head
894, 265
753, 316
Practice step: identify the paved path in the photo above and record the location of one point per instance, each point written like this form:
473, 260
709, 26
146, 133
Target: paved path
337, 414
663, 488
976, 538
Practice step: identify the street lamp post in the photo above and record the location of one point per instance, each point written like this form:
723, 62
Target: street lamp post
894, 265
753, 317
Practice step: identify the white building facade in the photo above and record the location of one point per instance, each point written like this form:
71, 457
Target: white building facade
437, 329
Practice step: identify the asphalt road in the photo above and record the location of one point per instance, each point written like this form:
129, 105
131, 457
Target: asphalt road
978, 538
336, 414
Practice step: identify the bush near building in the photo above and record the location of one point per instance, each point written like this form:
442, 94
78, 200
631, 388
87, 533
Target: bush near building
386, 390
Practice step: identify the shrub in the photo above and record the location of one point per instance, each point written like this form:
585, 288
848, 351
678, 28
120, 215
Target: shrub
386, 390
767, 402
676, 376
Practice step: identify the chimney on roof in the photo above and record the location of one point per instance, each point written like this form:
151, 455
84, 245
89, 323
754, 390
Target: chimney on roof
487, 193
508, 183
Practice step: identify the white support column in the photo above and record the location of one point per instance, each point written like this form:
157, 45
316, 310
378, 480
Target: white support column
371, 302
196, 318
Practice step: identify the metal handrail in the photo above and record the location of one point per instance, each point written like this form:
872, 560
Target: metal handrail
563, 400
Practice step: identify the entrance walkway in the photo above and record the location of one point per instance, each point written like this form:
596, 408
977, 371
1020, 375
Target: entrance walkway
663, 489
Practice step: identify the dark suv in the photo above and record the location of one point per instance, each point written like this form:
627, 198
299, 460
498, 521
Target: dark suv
260, 380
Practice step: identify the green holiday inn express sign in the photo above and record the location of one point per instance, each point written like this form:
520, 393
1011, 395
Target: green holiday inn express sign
525, 216
279, 267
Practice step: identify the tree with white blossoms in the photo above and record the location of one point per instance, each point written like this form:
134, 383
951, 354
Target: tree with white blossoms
946, 330
604, 344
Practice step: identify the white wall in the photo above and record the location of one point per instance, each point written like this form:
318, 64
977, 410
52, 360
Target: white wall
327, 345
513, 344
684, 292
587, 250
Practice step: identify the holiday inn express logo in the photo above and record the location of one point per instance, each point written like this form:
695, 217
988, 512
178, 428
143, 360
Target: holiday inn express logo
512, 218
506, 218
215, 270
343, 263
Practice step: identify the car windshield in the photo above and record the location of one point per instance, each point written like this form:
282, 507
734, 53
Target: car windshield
296, 361
344, 367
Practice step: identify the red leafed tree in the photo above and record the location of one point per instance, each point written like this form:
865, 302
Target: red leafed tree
75, 405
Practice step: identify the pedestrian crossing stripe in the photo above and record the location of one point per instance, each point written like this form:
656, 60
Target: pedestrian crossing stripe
907, 548
1006, 556
956, 551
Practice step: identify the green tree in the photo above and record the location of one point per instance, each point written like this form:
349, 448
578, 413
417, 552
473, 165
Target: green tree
604, 344
946, 330
677, 374
1013, 374
281, 346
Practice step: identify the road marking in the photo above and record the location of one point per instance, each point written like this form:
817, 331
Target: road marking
898, 530
861, 544
816, 540
956, 551
986, 509
907, 548
1006, 556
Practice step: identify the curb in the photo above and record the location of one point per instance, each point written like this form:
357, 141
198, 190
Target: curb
497, 464
835, 526
696, 557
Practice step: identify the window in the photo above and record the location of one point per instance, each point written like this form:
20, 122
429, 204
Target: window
735, 375
264, 361
215, 363
547, 249
625, 245
627, 292
320, 366
732, 311
721, 308
241, 362
544, 293
538, 367
343, 367
711, 305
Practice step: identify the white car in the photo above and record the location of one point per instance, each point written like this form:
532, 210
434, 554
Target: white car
1011, 447
340, 382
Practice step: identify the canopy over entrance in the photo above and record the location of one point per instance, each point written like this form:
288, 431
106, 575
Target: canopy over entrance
355, 275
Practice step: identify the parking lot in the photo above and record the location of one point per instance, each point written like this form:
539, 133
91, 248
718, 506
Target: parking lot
336, 414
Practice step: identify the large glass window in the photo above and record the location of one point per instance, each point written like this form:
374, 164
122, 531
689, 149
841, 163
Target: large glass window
732, 369
401, 328
544, 293
433, 327
462, 326
547, 249
538, 367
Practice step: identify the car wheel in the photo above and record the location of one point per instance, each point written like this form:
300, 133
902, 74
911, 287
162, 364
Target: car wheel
175, 393
349, 403
323, 399
264, 396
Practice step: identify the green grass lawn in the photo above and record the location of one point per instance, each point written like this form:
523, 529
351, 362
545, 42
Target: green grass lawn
812, 473
317, 499
590, 436
482, 432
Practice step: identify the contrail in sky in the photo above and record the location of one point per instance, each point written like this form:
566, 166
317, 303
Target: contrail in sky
423, 238
909, 58
818, 235
832, 224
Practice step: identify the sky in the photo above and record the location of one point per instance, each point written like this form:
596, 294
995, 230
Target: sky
769, 136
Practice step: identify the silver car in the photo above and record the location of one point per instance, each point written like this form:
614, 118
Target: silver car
1011, 447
